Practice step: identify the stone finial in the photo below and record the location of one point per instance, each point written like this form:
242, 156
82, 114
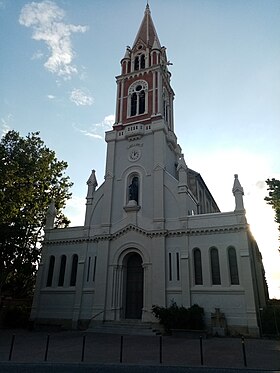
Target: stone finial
238, 193
147, 10
92, 184
50, 215
156, 44
182, 170
127, 53
181, 163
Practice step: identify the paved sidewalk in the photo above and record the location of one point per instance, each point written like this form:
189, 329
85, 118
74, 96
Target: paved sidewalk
66, 348
110, 368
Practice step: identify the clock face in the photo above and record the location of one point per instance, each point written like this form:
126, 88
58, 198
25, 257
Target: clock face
134, 154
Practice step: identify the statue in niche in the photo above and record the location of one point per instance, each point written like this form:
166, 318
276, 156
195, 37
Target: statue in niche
133, 189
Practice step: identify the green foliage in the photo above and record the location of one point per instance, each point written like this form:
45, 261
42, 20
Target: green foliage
273, 198
270, 319
175, 317
30, 178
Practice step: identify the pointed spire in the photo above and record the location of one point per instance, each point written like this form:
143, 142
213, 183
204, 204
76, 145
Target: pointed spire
50, 215
147, 32
238, 193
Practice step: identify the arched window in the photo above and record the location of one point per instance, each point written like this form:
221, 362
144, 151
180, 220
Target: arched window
198, 279
165, 101
62, 270
136, 63
74, 270
50, 271
233, 268
133, 188
215, 266
137, 98
142, 61
133, 104
141, 102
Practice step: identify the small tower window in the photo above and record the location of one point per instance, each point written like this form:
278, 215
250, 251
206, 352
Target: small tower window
166, 106
139, 62
142, 61
136, 63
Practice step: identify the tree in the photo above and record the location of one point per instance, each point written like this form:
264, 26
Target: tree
273, 198
31, 178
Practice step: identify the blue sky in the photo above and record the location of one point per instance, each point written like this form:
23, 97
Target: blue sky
59, 60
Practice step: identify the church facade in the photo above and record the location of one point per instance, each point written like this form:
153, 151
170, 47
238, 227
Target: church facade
153, 234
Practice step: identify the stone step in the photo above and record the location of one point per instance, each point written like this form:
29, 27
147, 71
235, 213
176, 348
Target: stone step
123, 327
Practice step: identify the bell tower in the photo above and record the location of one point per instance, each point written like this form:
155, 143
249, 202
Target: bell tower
141, 147
144, 92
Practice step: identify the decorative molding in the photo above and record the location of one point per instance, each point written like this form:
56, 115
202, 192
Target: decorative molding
150, 234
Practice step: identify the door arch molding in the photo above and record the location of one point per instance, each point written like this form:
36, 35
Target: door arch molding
131, 247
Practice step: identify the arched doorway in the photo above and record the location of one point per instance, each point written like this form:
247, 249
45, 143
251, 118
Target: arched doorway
133, 287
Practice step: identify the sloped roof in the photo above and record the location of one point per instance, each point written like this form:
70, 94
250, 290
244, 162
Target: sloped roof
147, 32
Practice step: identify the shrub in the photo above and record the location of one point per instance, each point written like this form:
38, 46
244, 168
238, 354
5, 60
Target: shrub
16, 316
270, 319
175, 317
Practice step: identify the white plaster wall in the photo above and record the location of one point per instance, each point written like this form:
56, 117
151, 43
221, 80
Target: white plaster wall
56, 304
231, 303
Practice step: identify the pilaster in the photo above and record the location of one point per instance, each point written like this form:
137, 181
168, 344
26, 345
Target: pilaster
185, 275
158, 284
101, 283
79, 288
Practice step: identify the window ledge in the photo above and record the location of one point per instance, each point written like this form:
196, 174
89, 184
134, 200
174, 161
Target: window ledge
131, 206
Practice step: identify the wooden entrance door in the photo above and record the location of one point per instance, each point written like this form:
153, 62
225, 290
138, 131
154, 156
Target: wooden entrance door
134, 287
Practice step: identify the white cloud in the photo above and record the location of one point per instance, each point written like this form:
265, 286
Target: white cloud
37, 55
5, 124
81, 97
108, 122
46, 21
51, 97
75, 211
90, 133
83, 73
97, 130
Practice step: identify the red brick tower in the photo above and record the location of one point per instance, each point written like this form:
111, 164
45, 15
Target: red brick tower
144, 92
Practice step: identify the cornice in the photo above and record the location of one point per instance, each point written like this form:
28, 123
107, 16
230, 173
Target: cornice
138, 73
149, 233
